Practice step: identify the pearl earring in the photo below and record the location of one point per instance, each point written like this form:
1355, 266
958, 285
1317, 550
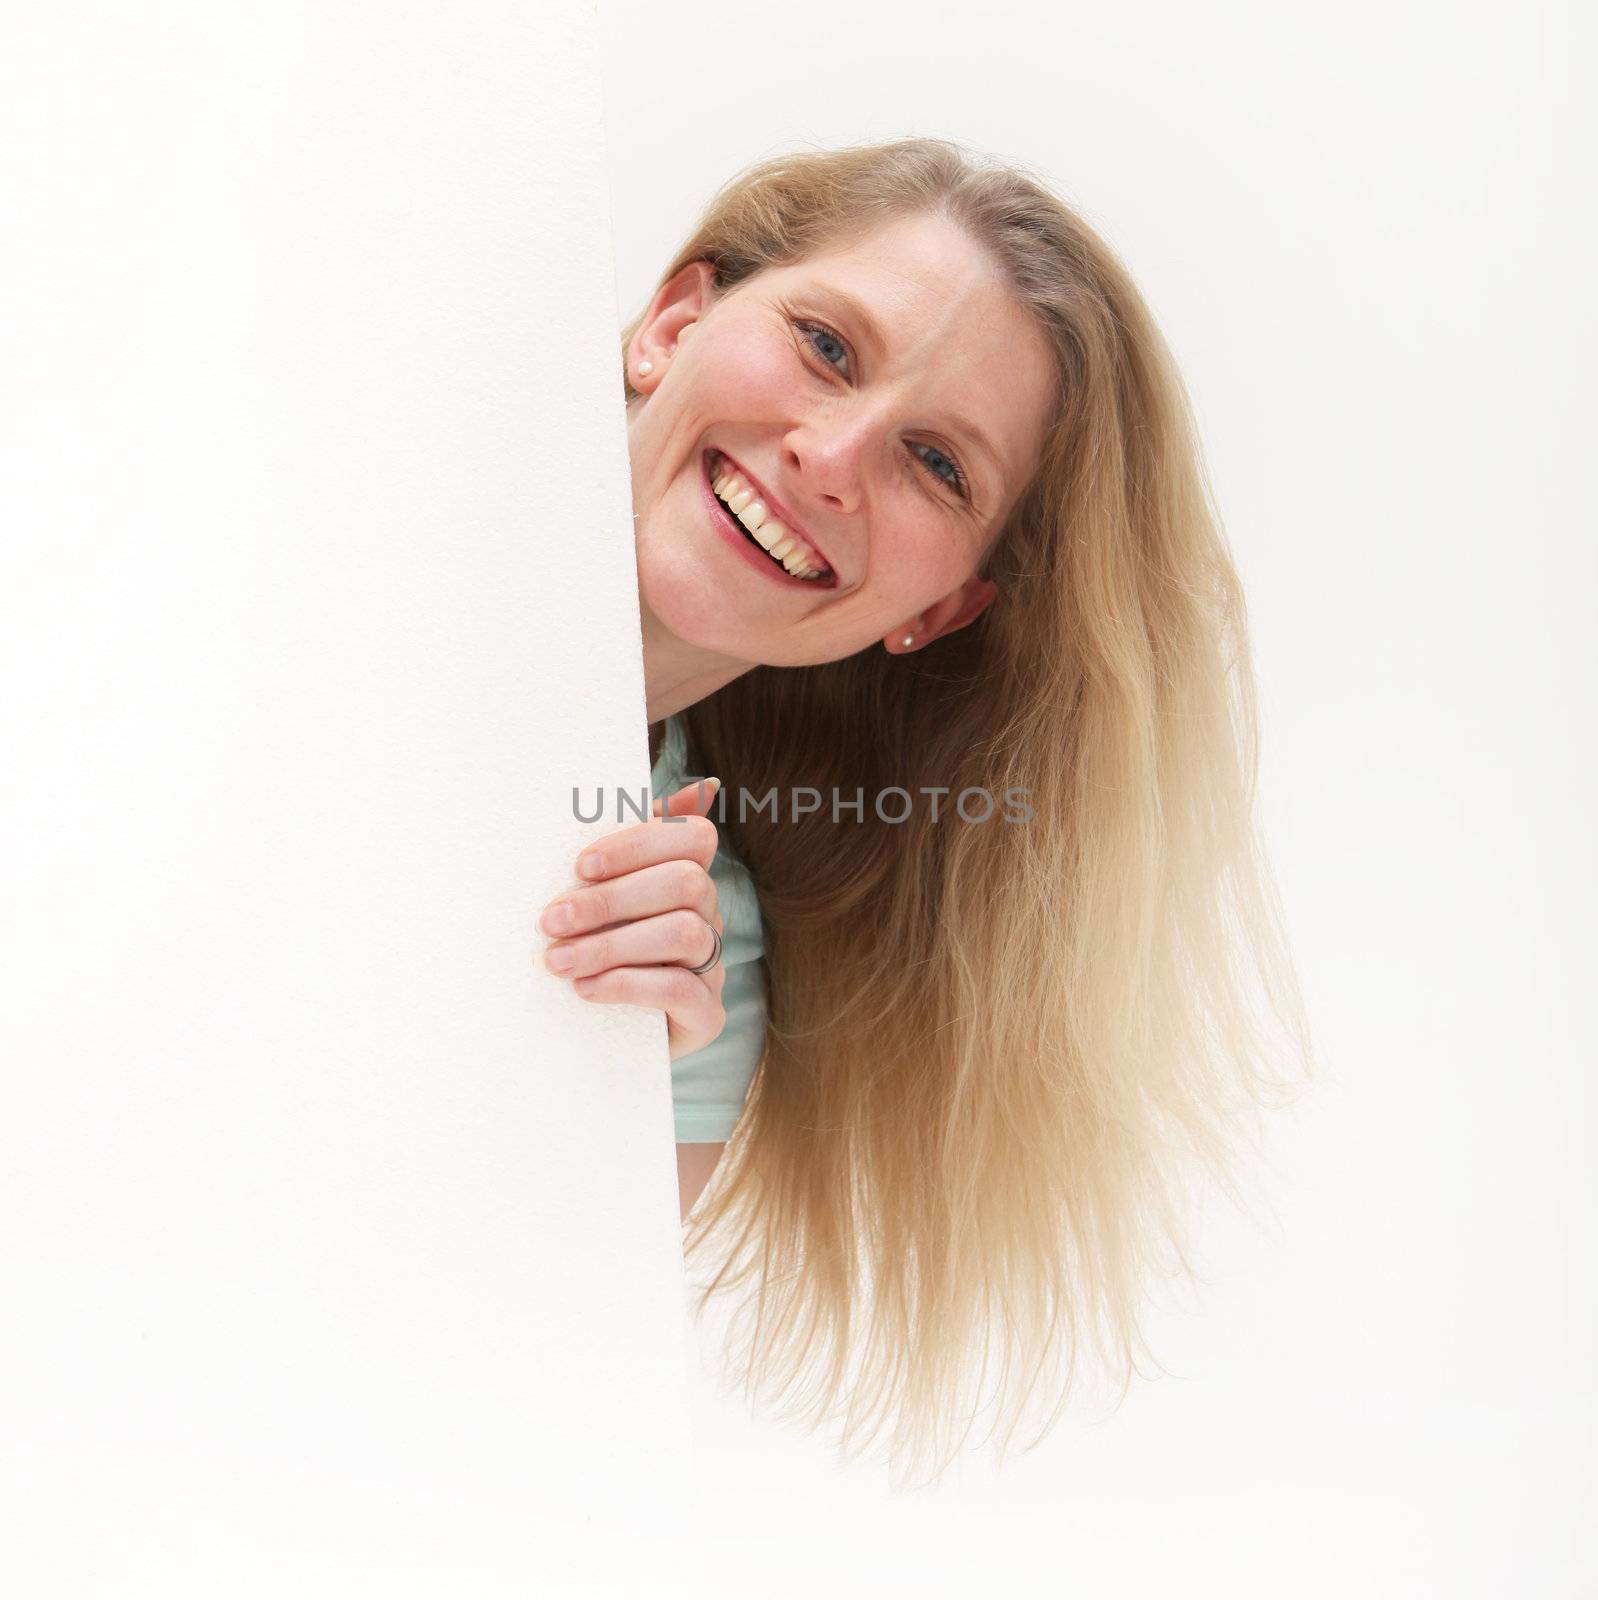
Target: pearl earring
645, 368
908, 640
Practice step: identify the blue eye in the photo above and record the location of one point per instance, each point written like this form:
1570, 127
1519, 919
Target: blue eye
824, 341
955, 479
819, 336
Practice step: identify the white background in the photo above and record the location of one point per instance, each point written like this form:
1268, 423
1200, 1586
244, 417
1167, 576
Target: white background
299, 1165
1365, 230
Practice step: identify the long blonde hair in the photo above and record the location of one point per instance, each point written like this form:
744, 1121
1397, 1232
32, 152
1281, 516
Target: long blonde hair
995, 1053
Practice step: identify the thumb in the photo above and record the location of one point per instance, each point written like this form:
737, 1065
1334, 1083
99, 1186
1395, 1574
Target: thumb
693, 800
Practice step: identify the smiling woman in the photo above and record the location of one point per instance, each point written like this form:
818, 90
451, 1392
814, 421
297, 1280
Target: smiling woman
919, 510
844, 382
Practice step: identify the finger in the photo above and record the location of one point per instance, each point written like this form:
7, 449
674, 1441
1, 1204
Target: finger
680, 937
690, 837
714, 979
695, 798
694, 1014
666, 886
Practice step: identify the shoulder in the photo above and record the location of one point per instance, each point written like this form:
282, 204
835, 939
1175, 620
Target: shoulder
709, 1086
670, 769
742, 935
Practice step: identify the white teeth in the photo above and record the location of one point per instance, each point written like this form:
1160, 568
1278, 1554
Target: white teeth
769, 532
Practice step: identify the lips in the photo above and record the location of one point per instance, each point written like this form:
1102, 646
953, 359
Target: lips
771, 530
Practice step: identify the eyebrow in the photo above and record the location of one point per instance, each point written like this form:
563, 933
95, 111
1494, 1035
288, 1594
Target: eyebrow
874, 337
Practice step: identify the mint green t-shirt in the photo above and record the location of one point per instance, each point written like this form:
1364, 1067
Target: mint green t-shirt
708, 1087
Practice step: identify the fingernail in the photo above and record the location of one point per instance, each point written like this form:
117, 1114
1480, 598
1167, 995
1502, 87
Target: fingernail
559, 960
591, 866
560, 917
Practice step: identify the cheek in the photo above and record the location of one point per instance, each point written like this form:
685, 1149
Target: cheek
745, 374
920, 554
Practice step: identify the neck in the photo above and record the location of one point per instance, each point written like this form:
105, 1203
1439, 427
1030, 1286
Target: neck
677, 674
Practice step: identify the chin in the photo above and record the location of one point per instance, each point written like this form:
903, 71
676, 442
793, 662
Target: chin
689, 602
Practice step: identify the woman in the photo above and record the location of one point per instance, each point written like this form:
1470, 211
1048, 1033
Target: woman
949, 1067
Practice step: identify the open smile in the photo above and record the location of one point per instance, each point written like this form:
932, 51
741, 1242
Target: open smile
765, 540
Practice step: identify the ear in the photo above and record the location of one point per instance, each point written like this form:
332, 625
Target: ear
949, 614
678, 304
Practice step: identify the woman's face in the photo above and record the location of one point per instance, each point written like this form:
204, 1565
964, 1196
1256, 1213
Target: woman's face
886, 400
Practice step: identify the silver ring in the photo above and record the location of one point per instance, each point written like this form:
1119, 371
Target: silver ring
715, 954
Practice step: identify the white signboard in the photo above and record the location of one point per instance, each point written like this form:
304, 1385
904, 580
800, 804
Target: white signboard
341, 1240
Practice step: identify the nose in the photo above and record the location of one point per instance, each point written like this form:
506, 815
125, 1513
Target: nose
828, 458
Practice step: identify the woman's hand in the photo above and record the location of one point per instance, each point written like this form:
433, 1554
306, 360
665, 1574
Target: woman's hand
644, 917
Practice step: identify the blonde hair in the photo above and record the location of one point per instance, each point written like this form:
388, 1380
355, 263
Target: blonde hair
995, 1053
